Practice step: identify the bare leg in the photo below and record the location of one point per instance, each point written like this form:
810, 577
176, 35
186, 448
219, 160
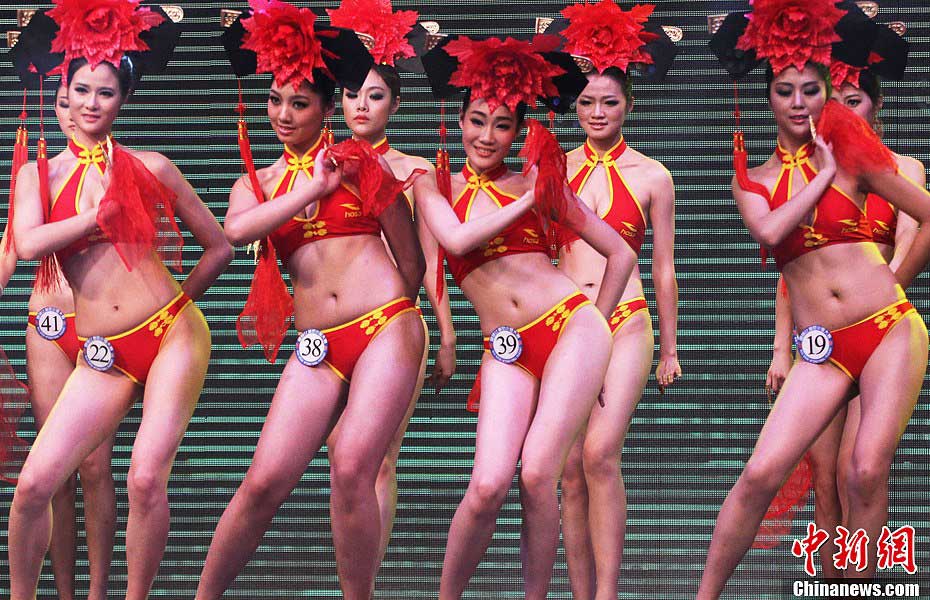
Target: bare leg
630, 363
89, 410
99, 515
827, 512
889, 387
844, 457
171, 394
507, 402
296, 425
383, 382
48, 369
579, 554
792, 426
571, 382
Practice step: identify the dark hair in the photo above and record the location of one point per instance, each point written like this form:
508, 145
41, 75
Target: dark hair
520, 113
822, 70
391, 79
871, 84
324, 87
126, 74
621, 78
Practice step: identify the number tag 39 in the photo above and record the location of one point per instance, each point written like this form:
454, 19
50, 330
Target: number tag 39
98, 353
506, 344
815, 344
311, 347
51, 323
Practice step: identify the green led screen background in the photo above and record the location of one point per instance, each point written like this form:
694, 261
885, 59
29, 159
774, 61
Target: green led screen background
685, 448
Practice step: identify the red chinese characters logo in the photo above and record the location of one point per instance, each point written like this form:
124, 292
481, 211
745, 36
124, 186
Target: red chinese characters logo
852, 550
897, 548
808, 546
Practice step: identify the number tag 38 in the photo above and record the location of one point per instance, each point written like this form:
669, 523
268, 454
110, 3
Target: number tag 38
311, 347
98, 353
506, 344
815, 344
51, 323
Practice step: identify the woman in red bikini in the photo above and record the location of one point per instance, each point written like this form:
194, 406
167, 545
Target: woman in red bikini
628, 191
547, 345
367, 111
855, 326
893, 234
357, 358
51, 354
100, 212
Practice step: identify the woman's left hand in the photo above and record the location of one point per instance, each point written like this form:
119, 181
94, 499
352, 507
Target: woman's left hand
667, 371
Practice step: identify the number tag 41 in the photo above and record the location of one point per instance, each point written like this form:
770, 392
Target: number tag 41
506, 344
51, 323
311, 347
815, 344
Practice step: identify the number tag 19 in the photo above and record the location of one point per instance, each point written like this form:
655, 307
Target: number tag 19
311, 347
98, 353
506, 344
51, 323
815, 344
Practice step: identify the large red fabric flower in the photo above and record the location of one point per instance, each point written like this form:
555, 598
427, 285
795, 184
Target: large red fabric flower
283, 39
607, 35
375, 18
505, 72
100, 30
792, 33
842, 73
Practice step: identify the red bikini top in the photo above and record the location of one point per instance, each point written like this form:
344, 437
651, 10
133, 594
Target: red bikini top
624, 214
883, 219
67, 201
337, 215
837, 218
521, 237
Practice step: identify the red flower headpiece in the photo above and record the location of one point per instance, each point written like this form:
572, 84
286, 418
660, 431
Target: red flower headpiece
284, 41
505, 72
607, 35
100, 30
792, 32
375, 18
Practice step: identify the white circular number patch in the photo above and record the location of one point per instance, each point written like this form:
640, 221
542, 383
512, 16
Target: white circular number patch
506, 344
51, 323
311, 347
815, 344
99, 353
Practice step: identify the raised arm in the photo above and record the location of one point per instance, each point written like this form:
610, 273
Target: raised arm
217, 253
248, 219
662, 216
906, 230
400, 233
770, 227
620, 257
460, 238
914, 200
33, 236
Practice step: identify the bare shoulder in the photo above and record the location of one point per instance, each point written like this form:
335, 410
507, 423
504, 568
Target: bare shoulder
513, 182
911, 167
156, 162
403, 165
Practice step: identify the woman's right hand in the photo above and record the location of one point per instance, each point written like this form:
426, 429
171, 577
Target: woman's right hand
327, 174
827, 160
778, 371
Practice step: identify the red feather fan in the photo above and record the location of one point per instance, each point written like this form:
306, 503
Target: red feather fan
856, 146
362, 169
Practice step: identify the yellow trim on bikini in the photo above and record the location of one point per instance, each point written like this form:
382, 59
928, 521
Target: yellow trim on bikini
146, 322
